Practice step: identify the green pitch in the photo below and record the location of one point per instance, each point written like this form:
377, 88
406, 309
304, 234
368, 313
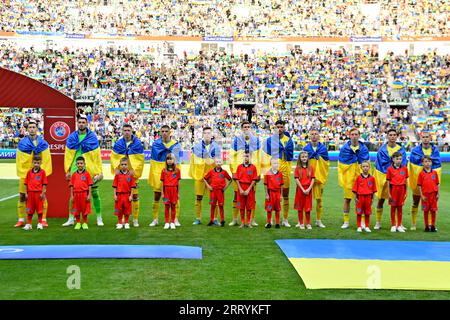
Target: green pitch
237, 263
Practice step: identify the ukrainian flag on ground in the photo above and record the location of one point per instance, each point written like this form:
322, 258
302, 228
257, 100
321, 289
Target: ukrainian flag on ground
370, 264
382, 163
282, 149
202, 159
348, 164
133, 150
415, 163
319, 160
90, 150
239, 147
159, 153
26, 149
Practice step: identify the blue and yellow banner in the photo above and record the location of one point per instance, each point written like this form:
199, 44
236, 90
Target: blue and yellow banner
239, 146
382, 163
349, 164
415, 163
319, 160
90, 150
202, 159
26, 149
133, 150
370, 264
159, 153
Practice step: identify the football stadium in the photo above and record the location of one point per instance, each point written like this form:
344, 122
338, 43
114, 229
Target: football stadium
224, 150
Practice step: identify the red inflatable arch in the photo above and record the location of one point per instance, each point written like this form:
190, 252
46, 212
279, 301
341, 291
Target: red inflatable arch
19, 91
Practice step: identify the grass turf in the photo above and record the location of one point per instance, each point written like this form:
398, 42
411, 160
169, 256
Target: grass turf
236, 264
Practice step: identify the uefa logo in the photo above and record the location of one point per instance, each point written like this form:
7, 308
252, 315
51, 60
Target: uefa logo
59, 131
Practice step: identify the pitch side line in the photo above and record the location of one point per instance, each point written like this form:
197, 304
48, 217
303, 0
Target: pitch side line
10, 197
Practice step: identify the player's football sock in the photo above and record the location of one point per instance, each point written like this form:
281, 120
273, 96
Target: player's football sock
135, 204
29, 218
155, 210
235, 210
119, 219
166, 213
319, 209
249, 217
243, 216
308, 218
380, 214
392, 216
414, 212
173, 213
363, 220
85, 218
277, 217
285, 207
71, 216
300, 216
216, 214
127, 218
211, 215
21, 210
222, 213
198, 209
399, 216
77, 219
97, 202
269, 217
367, 220
433, 218
425, 218
40, 218
44, 213
346, 217
358, 220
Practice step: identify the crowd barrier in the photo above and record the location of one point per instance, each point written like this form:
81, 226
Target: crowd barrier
186, 155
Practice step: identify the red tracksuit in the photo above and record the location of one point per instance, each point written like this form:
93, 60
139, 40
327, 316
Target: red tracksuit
364, 188
429, 182
397, 182
302, 201
274, 183
80, 183
170, 180
123, 183
35, 180
217, 180
246, 175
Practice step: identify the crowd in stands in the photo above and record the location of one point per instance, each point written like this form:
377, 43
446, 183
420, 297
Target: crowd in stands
237, 18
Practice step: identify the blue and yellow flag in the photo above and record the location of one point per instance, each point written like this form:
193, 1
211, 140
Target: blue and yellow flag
415, 164
273, 147
239, 146
90, 150
158, 156
382, 163
349, 164
369, 264
202, 159
132, 150
319, 160
26, 149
